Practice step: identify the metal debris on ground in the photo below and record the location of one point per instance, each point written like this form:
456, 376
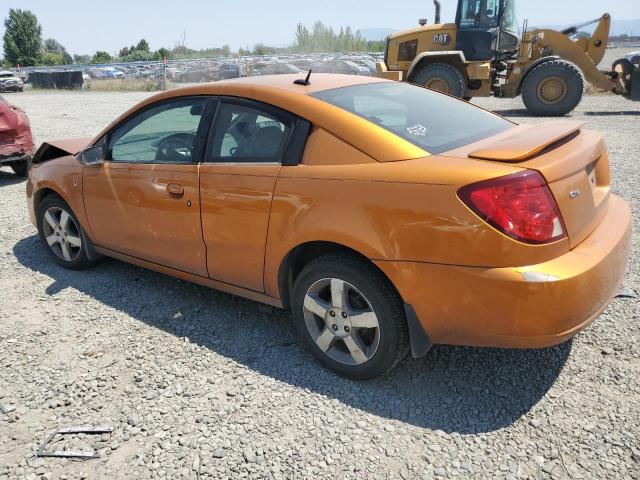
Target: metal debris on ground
83, 454
626, 293
6, 408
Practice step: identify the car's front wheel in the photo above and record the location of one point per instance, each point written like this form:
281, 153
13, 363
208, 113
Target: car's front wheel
553, 88
61, 234
349, 316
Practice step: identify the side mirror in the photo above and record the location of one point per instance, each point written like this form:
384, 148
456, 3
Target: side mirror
92, 156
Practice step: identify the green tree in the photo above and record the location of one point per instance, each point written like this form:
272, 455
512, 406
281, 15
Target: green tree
124, 52
101, 57
81, 59
375, 46
143, 46
303, 38
51, 45
140, 55
322, 38
261, 49
52, 58
164, 53
226, 51
22, 38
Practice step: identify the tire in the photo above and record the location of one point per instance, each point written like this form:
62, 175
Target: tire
75, 257
553, 88
22, 169
332, 337
443, 78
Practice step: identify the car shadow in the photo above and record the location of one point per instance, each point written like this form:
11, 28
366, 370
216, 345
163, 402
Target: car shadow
514, 112
523, 112
454, 389
614, 113
9, 178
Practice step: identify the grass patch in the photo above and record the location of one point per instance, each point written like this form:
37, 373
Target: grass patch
127, 85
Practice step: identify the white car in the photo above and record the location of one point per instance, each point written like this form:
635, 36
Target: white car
634, 57
10, 82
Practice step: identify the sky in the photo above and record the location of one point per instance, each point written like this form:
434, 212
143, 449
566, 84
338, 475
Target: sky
84, 26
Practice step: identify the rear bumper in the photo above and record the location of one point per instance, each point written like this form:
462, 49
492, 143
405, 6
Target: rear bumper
14, 158
524, 307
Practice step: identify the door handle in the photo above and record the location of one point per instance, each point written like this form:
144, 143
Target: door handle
175, 189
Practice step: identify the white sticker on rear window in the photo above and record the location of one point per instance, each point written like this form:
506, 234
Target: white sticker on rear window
418, 130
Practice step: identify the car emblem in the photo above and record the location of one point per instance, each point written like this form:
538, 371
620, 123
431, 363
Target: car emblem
574, 194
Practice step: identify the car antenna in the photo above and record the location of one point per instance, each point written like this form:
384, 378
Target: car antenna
304, 82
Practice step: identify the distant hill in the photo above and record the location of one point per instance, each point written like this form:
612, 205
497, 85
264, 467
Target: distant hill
618, 27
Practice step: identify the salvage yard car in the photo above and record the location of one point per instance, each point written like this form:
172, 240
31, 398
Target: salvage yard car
9, 82
16, 142
386, 216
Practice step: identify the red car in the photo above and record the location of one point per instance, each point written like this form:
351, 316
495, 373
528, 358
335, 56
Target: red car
16, 142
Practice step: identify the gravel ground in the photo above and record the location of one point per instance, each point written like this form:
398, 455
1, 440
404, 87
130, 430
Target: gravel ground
201, 384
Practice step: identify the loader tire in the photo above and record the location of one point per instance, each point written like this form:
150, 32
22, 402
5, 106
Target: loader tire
442, 77
553, 88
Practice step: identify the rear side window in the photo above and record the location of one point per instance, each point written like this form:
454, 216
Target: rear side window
428, 119
407, 51
247, 133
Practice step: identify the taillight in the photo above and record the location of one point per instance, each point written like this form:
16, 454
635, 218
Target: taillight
519, 205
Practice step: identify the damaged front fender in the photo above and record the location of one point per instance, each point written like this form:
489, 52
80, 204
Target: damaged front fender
60, 148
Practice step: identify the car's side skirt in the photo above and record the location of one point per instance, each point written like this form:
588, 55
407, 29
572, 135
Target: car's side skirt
189, 277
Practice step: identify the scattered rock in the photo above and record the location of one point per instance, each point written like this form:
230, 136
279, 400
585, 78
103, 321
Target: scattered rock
249, 455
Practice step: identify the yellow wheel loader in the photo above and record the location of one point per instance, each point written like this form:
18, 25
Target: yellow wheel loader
482, 54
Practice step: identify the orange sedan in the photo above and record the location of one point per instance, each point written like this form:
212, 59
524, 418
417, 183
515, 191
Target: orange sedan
387, 217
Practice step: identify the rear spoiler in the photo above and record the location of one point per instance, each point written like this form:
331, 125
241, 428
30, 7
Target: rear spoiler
60, 148
528, 141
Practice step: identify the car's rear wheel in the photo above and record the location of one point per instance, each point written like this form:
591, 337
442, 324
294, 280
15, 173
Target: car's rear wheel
61, 234
349, 316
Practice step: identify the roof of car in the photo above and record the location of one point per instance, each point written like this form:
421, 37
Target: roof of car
280, 91
318, 82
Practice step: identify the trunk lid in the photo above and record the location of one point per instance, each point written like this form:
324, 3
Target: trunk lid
574, 163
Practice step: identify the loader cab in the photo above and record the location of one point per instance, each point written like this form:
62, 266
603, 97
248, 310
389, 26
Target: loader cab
487, 29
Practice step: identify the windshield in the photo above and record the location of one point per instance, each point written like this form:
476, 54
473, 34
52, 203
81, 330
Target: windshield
479, 13
428, 119
509, 20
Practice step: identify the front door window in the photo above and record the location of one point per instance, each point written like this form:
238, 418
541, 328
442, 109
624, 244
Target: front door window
165, 133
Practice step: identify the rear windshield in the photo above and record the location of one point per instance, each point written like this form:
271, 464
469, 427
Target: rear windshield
430, 120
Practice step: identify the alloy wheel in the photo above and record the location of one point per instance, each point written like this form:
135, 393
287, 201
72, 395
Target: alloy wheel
341, 321
62, 234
